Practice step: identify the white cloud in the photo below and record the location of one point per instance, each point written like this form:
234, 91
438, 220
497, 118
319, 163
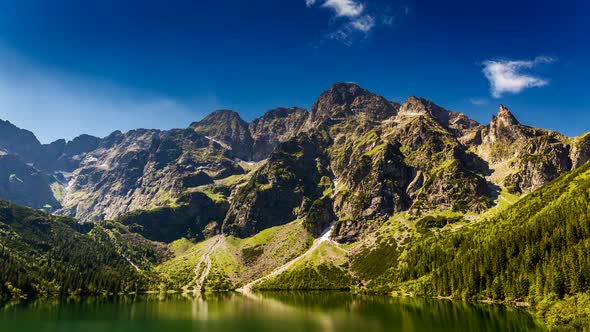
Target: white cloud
506, 76
364, 23
355, 19
346, 8
478, 101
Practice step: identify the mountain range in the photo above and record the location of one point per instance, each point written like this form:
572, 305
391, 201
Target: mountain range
358, 193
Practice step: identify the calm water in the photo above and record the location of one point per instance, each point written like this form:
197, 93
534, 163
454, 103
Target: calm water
285, 311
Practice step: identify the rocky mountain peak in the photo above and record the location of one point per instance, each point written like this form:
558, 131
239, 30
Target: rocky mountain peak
344, 93
505, 117
227, 128
346, 100
457, 123
280, 112
19, 141
218, 116
414, 106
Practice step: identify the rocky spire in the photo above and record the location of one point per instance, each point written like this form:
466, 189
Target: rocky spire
505, 117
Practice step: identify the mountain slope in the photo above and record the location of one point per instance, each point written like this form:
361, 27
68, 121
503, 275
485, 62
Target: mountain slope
42, 255
535, 251
370, 158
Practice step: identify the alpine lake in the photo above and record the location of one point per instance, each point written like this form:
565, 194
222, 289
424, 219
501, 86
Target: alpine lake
262, 311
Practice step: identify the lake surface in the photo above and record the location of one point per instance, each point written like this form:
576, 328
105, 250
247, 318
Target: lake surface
281, 311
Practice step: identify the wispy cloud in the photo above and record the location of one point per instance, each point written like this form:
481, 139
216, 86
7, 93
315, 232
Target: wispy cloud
354, 19
478, 101
55, 105
346, 8
364, 23
508, 76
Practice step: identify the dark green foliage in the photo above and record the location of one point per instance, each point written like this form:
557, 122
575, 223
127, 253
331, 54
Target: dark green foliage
139, 250
250, 254
569, 314
371, 262
437, 221
320, 277
42, 255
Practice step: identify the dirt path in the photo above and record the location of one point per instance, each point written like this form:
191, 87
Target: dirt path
246, 289
132, 264
206, 258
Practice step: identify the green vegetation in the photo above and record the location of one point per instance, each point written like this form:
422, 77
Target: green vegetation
180, 246
44, 256
57, 189
179, 272
375, 150
324, 269
214, 195
518, 255
569, 314
234, 261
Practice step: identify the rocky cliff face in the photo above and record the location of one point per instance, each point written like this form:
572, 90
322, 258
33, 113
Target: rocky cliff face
143, 169
227, 128
580, 150
274, 127
280, 191
355, 160
19, 142
344, 102
24, 184
523, 158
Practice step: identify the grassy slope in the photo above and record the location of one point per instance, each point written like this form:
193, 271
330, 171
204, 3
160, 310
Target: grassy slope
324, 269
235, 261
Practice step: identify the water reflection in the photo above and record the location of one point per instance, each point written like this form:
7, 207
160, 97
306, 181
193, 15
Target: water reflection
277, 311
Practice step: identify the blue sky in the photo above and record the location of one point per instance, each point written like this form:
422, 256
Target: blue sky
68, 67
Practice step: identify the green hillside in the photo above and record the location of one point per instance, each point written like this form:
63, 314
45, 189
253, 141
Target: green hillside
520, 255
43, 255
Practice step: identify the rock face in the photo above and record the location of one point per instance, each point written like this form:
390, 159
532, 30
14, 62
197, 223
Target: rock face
355, 160
228, 129
26, 185
345, 101
141, 169
274, 127
282, 190
524, 158
196, 217
19, 142
580, 151
251, 141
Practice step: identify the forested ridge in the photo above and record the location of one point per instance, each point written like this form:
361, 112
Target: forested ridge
536, 251
43, 255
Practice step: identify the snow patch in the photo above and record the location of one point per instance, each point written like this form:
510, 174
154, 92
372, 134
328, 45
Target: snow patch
218, 142
238, 160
